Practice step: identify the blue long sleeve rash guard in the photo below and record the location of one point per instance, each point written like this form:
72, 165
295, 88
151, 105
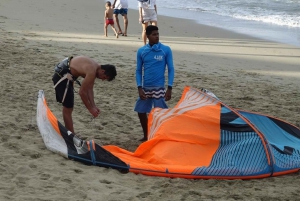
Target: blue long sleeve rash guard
153, 60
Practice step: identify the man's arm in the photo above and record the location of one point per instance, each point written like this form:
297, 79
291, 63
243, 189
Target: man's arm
139, 75
113, 5
86, 92
171, 73
139, 69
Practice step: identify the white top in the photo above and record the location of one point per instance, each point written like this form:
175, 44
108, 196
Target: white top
121, 4
147, 5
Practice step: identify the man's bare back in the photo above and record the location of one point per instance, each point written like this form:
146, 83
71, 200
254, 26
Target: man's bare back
82, 65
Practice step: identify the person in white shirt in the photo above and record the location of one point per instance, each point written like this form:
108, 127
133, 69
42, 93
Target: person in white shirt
121, 7
148, 13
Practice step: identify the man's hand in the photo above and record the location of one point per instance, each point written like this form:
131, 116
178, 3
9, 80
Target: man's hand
168, 94
94, 111
142, 94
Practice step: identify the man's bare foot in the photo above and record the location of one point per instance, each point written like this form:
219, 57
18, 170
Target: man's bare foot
117, 35
105, 35
143, 139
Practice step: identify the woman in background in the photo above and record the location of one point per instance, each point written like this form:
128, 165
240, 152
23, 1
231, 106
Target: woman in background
148, 13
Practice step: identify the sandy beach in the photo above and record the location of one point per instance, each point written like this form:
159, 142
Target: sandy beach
243, 71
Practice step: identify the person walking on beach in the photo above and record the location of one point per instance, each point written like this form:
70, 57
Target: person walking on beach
147, 14
66, 72
151, 63
108, 18
121, 7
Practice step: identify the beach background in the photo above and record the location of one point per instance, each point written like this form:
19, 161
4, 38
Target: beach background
244, 71
276, 20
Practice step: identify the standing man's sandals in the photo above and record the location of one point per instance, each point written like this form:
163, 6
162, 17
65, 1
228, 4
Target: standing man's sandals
124, 34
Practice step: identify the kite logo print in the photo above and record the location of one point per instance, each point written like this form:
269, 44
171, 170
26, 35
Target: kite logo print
158, 57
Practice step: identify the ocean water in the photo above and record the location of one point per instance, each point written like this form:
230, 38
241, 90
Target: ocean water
276, 20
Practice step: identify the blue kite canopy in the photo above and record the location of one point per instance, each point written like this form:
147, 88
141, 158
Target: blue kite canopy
200, 138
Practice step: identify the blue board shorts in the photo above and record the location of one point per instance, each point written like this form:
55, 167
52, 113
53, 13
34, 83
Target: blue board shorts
155, 99
121, 11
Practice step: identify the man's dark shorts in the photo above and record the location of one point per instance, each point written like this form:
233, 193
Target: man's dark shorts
61, 69
122, 11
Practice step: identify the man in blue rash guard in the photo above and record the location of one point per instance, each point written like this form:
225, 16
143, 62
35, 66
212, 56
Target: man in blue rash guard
152, 60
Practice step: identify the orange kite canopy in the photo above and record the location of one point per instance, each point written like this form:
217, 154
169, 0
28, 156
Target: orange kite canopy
200, 138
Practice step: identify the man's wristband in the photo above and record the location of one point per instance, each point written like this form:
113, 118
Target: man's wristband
169, 87
139, 87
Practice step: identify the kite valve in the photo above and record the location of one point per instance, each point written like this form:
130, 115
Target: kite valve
77, 141
80, 145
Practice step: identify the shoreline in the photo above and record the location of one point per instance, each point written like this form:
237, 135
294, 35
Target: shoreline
263, 31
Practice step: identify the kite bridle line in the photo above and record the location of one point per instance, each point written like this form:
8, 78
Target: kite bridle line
93, 125
93, 119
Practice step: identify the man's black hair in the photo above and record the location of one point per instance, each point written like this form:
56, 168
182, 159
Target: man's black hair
110, 71
151, 28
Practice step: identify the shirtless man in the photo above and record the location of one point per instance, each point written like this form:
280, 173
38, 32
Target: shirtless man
66, 72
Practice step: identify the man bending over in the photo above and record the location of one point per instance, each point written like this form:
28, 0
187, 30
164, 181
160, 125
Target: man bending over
66, 72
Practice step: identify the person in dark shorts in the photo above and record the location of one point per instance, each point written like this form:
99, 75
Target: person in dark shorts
121, 7
66, 73
64, 93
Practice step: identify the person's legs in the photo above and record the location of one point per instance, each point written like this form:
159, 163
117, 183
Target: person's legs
144, 37
105, 30
114, 29
67, 110
125, 24
144, 123
143, 107
118, 24
67, 115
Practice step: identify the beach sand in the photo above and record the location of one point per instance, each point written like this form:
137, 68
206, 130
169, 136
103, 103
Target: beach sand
244, 72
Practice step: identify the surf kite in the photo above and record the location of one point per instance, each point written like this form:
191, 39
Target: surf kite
200, 138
